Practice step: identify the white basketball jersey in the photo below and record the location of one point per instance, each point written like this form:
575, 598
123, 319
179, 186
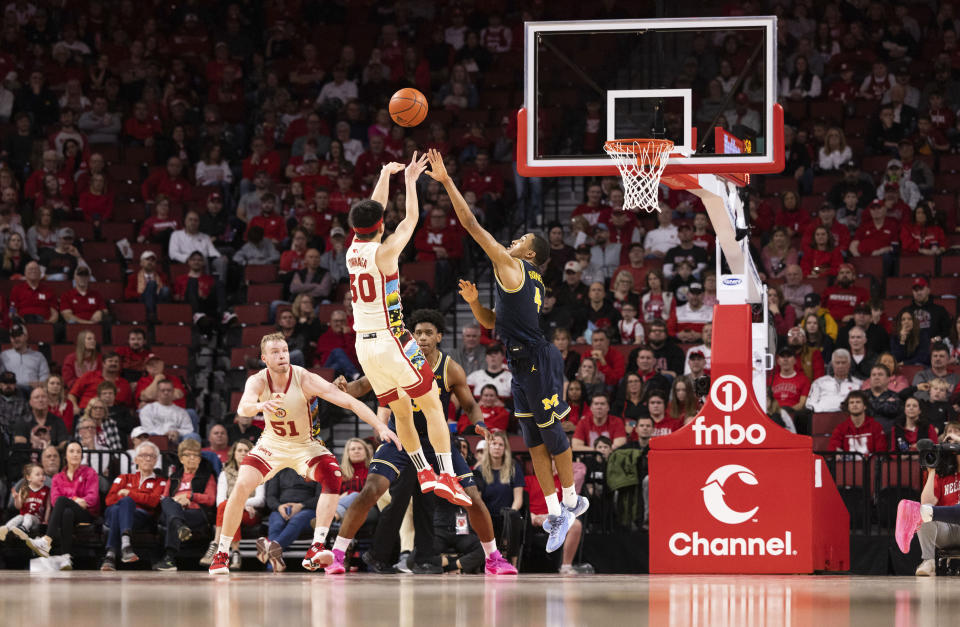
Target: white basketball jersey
375, 296
292, 421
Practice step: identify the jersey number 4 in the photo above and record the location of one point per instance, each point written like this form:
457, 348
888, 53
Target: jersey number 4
362, 287
536, 298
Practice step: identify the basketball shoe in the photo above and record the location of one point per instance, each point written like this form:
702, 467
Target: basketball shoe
910, 516
220, 565
336, 567
427, 479
496, 565
448, 487
317, 557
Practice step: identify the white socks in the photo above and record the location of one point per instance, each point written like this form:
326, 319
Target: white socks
489, 547
926, 513
320, 534
124, 541
419, 461
445, 461
342, 544
224, 544
553, 504
570, 497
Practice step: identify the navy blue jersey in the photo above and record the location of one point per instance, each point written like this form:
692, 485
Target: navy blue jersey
518, 311
440, 376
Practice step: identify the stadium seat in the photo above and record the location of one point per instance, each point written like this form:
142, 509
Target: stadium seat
111, 291
115, 231
173, 356
40, 332
177, 270
172, 335
59, 352
252, 314
128, 172
949, 164
899, 286
875, 163
425, 271
73, 330
892, 306
82, 231
139, 155
908, 372
947, 183
914, 265
823, 184
780, 184
872, 266
265, 293
251, 336
139, 248
100, 251
325, 311
950, 266
131, 313
119, 333
944, 287
174, 313
827, 109
109, 152
107, 271
825, 422
260, 273
238, 356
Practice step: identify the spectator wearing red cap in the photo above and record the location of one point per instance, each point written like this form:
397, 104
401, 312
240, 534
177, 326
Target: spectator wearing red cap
82, 305
32, 299
842, 298
168, 181
142, 129
929, 315
922, 237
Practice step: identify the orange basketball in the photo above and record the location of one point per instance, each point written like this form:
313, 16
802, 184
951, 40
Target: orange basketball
408, 107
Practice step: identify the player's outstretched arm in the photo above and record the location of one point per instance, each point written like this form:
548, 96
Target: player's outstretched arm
315, 385
494, 249
457, 379
381, 193
248, 405
390, 249
356, 389
486, 317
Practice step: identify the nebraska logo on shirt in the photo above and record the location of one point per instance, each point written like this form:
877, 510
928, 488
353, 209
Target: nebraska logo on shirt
435, 239
92, 301
41, 296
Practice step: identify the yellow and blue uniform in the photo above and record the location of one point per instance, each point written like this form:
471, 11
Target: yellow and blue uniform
536, 364
389, 461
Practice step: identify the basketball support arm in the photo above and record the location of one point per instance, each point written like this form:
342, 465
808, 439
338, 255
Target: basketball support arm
743, 284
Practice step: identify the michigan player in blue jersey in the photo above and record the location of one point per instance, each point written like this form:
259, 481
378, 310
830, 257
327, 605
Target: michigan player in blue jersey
389, 461
536, 364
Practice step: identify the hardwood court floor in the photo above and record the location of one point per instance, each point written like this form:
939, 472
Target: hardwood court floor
143, 599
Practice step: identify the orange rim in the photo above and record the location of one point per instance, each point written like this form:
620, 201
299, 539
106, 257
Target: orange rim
636, 145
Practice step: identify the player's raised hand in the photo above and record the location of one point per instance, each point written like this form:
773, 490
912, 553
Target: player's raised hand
415, 168
438, 169
386, 435
392, 168
269, 406
468, 291
341, 383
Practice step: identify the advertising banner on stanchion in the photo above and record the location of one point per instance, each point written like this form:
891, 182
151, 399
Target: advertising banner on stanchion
733, 492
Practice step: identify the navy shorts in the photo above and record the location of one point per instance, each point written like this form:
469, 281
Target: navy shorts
538, 397
389, 462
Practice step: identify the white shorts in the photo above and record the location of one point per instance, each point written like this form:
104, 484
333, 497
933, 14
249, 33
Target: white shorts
271, 455
394, 365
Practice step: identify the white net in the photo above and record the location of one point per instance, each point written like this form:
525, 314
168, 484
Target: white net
641, 163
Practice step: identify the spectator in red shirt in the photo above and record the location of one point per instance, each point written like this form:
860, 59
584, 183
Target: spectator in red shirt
158, 227
134, 355
188, 501
593, 211
168, 181
311, 179
859, 433
345, 195
82, 305
148, 285
842, 298
601, 423
32, 299
610, 361
154, 373
96, 203
657, 407
273, 225
495, 415
51, 165
131, 505
370, 162
261, 159
877, 233
438, 240
487, 184
293, 259
85, 388
941, 488
335, 347
203, 292
790, 387
219, 443
821, 258
142, 129
827, 217
922, 237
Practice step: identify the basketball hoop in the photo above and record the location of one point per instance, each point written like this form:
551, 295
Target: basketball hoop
641, 163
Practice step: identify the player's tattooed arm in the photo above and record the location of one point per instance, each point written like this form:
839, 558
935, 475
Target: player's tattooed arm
381, 193
486, 317
315, 385
360, 387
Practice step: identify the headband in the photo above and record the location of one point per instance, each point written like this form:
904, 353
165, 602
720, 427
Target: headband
369, 229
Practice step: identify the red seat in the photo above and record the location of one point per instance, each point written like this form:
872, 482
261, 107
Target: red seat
111, 291
872, 266
252, 314
892, 306
59, 352
944, 286
131, 313
99, 251
115, 231
174, 313
780, 184
40, 332
901, 286
73, 330
138, 249
914, 265
910, 371
849, 473
239, 356
260, 273
175, 356
875, 163
826, 422
177, 270
823, 184
949, 164
325, 311
326, 373
172, 335
120, 332
264, 293
140, 155
901, 471
425, 271
107, 271
109, 152
251, 336
950, 266
81, 230
945, 183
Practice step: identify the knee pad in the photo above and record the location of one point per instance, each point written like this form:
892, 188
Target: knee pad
327, 473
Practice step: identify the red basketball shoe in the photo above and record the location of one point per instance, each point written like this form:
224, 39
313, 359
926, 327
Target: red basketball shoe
427, 479
449, 488
220, 564
317, 557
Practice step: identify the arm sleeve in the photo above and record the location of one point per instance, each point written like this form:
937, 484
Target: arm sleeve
176, 248
148, 421
115, 487
149, 498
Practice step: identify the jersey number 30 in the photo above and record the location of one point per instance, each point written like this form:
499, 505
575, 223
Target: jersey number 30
366, 291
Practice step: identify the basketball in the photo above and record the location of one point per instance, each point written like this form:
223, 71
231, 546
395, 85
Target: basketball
408, 107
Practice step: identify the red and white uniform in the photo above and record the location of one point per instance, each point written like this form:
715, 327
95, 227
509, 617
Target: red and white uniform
387, 352
35, 503
287, 440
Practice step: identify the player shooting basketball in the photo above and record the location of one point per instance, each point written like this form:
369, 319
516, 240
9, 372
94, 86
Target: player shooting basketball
536, 363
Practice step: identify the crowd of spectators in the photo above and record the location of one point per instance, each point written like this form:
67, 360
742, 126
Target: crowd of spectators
161, 154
